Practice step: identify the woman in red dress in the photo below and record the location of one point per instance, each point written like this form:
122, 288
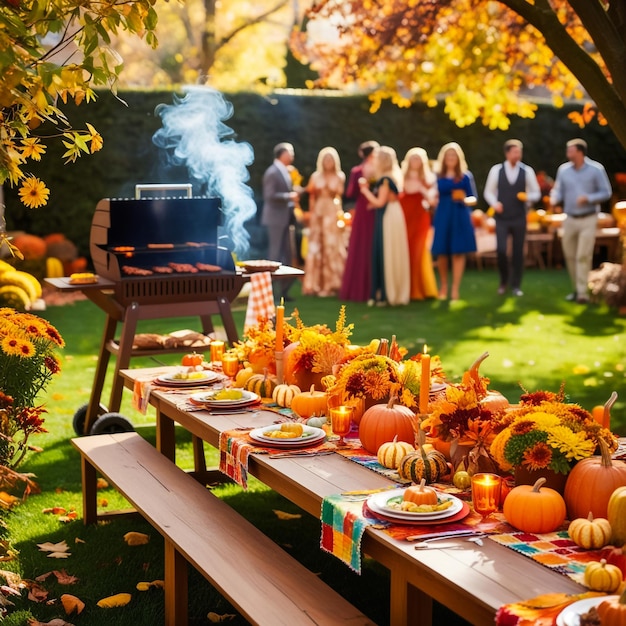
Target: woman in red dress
418, 196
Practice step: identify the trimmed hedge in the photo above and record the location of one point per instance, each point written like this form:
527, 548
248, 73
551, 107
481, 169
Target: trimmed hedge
309, 121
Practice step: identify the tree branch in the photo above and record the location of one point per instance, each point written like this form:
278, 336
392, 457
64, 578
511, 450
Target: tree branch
251, 22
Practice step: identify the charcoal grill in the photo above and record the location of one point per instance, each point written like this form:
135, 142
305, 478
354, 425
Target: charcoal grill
129, 239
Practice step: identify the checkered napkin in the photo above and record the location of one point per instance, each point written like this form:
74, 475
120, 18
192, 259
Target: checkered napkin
235, 448
260, 300
343, 526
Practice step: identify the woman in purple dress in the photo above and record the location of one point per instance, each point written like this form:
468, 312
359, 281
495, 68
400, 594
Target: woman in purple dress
356, 284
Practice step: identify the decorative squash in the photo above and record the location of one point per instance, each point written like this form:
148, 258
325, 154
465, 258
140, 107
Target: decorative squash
309, 403
243, 376
420, 494
316, 422
261, 384
616, 514
612, 611
495, 402
392, 452
600, 576
461, 478
533, 509
591, 482
382, 422
283, 394
590, 533
418, 465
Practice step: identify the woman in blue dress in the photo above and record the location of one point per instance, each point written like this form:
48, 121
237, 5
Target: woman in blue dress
454, 233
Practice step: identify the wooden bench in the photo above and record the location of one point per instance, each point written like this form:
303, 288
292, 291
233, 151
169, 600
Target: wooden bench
264, 583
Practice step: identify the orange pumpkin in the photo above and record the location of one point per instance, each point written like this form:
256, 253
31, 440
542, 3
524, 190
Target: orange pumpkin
31, 246
533, 509
591, 482
612, 611
420, 494
382, 422
309, 403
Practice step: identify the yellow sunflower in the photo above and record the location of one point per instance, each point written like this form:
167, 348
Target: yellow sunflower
17, 347
34, 193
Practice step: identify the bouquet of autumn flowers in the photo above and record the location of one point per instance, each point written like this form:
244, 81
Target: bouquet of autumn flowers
27, 364
547, 433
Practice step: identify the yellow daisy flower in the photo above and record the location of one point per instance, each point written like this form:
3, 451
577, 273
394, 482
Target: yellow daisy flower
34, 193
32, 148
17, 347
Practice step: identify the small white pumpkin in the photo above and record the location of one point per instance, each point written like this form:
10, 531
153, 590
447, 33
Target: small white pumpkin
284, 394
316, 422
391, 453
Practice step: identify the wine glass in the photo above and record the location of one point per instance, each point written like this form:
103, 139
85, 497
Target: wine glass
341, 422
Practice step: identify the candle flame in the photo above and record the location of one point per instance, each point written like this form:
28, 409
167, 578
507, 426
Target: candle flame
425, 349
282, 301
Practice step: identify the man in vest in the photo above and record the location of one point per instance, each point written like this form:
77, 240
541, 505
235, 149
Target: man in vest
511, 186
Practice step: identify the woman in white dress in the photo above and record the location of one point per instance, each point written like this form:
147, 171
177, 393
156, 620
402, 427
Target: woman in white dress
391, 277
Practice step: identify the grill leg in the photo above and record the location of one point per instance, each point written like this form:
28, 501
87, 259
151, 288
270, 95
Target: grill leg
227, 318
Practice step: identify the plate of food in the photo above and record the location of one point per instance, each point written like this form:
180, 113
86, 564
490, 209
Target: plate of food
398, 503
572, 614
288, 434
232, 397
261, 266
187, 378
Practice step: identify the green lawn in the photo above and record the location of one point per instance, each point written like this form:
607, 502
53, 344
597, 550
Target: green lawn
537, 341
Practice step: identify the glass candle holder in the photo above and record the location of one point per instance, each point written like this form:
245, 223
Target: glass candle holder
230, 364
486, 493
217, 350
341, 422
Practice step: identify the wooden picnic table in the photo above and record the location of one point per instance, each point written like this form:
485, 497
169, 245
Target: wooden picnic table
473, 581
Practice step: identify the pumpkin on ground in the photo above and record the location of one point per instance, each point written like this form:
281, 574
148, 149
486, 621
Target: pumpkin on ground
392, 452
534, 509
310, 403
616, 514
284, 394
261, 384
590, 533
600, 576
612, 611
420, 494
382, 422
591, 482
418, 465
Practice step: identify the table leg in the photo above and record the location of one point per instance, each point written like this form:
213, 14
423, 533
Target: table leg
165, 436
199, 460
408, 605
90, 495
176, 603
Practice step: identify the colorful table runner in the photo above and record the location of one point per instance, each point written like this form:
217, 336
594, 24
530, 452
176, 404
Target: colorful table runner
540, 611
354, 452
553, 550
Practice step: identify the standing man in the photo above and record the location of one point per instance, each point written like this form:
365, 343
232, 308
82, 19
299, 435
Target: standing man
581, 185
279, 200
509, 188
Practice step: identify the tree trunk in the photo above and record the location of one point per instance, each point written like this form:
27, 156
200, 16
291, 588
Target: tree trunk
209, 37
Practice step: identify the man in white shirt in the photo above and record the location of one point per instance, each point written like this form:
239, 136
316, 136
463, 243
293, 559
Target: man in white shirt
510, 187
581, 185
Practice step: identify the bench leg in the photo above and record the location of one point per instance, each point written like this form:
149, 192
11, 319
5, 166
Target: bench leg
90, 492
175, 587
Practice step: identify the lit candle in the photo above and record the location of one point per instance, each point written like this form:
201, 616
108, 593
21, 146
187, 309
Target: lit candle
217, 349
425, 382
230, 364
341, 421
280, 318
486, 493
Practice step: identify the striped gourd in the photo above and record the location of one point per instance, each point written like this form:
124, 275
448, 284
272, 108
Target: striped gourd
391, 453
430, 466
284, 394
262, 385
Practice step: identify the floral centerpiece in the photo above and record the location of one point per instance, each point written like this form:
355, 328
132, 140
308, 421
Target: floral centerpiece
258, 346
27, 364
546, 433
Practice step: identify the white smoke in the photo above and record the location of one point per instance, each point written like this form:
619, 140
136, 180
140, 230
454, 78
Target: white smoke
194, 135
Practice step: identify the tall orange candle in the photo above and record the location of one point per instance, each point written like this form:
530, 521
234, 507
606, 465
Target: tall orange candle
425, 382
280, 319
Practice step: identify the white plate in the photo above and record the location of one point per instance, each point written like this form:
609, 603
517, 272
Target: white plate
378, 503
170, 379
310, 436
207, 397
570, 615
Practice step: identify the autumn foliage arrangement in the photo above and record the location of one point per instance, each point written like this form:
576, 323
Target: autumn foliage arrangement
27, 364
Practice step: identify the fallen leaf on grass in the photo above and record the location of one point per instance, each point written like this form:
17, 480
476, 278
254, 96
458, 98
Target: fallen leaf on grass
13, 580
63, 578
78, 540
36, 592
101, 483
136, 539
216, 618
55, 622
7, 500
55, 510
119, 599
53, 547
104, 503
286, 516
72, 604
6, 552
5, 602
155, 584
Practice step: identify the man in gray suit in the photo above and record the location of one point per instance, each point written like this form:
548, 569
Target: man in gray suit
279, 198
